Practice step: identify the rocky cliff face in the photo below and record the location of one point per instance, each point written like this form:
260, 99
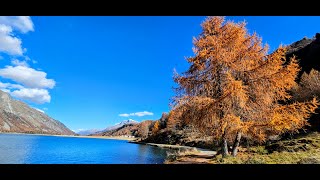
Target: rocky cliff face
16, 116
307, 52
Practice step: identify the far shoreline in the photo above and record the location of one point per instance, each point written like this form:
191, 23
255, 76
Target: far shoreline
73, 136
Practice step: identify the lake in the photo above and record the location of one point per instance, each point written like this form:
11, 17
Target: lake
36, 149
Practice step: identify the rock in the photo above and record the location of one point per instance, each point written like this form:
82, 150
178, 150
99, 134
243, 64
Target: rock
310, 160
307, 52
16, 116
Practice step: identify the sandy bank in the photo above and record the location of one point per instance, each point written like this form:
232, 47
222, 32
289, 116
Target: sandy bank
70, 136
178, 147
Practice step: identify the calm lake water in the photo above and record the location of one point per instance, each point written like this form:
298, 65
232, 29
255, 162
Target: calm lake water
34, 149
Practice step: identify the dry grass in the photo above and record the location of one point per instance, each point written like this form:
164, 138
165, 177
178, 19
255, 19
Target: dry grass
189, 156
273, 158
301, 150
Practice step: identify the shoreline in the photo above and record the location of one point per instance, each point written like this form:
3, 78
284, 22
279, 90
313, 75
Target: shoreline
178, 147
184, 154
72, 136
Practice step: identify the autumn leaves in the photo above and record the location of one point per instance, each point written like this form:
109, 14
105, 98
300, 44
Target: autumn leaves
234, 89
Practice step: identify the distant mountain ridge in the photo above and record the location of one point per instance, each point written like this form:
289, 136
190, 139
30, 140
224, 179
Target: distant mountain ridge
122, 123
117, 126
129, 129
16, 116
87, 131
129, 121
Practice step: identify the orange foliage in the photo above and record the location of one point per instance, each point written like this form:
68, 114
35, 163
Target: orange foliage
309, 86
233, 86
156, 127
143, 129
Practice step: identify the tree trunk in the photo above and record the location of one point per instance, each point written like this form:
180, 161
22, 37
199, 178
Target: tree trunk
224, 143
236, 144
224, 146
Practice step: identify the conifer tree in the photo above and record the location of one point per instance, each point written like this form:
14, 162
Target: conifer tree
233, 88
156, 127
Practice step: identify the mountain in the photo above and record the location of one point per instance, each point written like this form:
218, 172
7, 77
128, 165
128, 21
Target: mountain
88, 131
122, 123
307, 52
126, 127
129, 128
16, 116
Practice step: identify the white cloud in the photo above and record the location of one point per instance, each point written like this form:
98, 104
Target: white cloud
144, 113
31, 84
10, 86
27, 76
8, 43
38, 109
38, 96
124, 115
23, 24
19, 63
5, 90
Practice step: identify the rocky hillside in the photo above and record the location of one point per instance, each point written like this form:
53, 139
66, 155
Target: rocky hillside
88, 131
307, 52
119, 125
125, 130
16, 116
129, 128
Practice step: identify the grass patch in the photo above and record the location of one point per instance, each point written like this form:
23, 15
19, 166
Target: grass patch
303, 157
300, 150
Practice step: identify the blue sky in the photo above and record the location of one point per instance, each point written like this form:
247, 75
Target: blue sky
87, 71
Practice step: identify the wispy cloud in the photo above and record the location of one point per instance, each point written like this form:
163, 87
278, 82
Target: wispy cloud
31, 84
38, 109
23, 24
143, 113
8, 42
27, 76
10, 86
38, 96
17, 62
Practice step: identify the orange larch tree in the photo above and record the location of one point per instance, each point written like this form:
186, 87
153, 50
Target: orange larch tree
309, 86
233, 88
156, 127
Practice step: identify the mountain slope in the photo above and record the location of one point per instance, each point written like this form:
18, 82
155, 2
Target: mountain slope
118, 125
88, 131
129, 129
16, 116
307, 52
